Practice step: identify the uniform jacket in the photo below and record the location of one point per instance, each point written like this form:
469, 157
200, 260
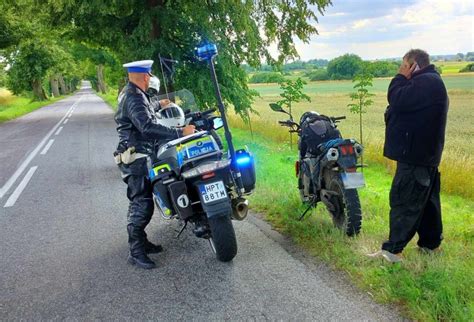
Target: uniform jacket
137, 123
416, 118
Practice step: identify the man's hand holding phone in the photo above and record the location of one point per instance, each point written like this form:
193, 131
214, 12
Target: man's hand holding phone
407, 70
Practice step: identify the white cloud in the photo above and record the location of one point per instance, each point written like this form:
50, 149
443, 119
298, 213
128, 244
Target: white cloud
438, 26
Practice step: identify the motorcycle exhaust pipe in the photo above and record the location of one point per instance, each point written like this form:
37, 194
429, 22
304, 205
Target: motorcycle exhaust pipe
240, 208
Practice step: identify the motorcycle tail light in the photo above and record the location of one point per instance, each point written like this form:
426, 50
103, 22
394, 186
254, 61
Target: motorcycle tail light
208, 175
346, 149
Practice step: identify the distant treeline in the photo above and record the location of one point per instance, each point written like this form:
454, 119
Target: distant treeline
339, 68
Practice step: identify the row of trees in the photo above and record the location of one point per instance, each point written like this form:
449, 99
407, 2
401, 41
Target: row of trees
131, 30
43, 60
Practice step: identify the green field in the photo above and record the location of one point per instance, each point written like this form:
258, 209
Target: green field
457, 81
331, 98
451, 67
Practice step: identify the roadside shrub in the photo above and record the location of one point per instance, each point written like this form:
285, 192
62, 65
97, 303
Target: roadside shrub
267, 77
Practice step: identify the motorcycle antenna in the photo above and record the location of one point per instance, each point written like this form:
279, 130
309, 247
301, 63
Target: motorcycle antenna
163, 62
208, 52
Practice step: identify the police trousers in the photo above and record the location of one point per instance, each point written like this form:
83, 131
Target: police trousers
140, 209
415, 207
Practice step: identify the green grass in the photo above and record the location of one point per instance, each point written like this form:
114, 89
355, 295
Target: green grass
428, 288
110, 97
12, 106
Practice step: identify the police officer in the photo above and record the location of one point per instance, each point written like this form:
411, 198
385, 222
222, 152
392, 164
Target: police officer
137, 128
415, 131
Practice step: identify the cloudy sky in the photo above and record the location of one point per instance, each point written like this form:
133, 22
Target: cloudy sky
383, 29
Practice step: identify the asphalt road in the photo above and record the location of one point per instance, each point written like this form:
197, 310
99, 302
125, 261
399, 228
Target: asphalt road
64, 244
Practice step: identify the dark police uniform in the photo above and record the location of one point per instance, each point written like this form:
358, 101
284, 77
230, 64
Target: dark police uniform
415, 130
138, 129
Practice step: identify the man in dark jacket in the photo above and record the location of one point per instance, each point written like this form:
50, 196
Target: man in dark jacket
138, 128
414, 137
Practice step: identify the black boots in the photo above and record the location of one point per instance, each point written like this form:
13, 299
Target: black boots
137, 242
151, 248
141, 260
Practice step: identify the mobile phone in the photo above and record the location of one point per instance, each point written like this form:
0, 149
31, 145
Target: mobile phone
417, 68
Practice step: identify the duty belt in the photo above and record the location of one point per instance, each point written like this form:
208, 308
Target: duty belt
128, 156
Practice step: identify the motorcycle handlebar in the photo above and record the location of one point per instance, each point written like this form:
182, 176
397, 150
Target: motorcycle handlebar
338, 118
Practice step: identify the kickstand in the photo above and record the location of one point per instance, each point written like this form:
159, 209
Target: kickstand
304, 213
182, 229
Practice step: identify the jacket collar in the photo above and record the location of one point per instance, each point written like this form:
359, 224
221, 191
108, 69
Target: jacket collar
428, 69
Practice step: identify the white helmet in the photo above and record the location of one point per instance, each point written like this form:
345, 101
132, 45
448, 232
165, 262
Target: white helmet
171, 115
154, 83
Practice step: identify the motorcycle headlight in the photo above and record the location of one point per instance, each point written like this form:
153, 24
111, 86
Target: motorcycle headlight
205, 168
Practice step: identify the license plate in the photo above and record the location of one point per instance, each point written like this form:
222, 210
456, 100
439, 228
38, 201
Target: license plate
352, 180
213, 191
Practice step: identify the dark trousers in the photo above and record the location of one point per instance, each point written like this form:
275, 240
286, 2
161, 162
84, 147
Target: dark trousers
140, 211
414, 208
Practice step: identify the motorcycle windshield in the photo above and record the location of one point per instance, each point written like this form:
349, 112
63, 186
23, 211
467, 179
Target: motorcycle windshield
183, 98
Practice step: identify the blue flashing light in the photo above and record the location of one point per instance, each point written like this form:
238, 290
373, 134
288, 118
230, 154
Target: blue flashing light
243, 161
206, 51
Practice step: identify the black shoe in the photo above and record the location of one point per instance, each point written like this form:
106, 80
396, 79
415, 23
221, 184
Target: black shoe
151, 248
142, 261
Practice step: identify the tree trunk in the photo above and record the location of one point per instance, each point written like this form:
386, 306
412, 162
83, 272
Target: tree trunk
54, 85
100, 79
38, 91
62, 85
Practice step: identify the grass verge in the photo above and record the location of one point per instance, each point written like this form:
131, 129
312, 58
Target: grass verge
12, 106
110, 97
439, 287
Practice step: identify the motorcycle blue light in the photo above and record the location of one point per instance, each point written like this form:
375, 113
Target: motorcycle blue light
243, 161
206, 51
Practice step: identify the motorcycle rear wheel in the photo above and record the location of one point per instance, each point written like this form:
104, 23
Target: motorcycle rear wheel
223, 238
347, 214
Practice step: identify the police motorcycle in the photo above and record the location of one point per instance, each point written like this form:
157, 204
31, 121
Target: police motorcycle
327, 168
204, 185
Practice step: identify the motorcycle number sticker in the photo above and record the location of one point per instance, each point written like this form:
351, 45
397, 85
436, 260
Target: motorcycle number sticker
213, 191
183, 201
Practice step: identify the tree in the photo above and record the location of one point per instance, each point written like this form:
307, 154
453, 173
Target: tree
30, 65
242, 30
362, 97
344, 67
292, 93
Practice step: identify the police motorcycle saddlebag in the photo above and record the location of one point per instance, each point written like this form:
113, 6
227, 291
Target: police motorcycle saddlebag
164, 181
316, 129
246, 165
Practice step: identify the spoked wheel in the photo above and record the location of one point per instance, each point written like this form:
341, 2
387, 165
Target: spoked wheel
347, 214
222, 239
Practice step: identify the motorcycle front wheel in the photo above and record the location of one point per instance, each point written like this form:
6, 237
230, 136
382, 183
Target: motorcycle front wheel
223, 238
347, 214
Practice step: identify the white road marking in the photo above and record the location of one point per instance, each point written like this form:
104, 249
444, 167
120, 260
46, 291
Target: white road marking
14, 196
46, 148
66, 121
59, 130
30, 157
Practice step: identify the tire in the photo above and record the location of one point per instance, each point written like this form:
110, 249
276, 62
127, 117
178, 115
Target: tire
223, 238
347, 215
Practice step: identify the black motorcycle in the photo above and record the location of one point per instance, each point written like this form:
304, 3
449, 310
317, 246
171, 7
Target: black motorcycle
327, 168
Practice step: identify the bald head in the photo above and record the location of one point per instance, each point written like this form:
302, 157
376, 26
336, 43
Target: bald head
142, 80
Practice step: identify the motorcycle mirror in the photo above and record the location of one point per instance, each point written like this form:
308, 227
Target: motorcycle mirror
277, 108
217, 123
